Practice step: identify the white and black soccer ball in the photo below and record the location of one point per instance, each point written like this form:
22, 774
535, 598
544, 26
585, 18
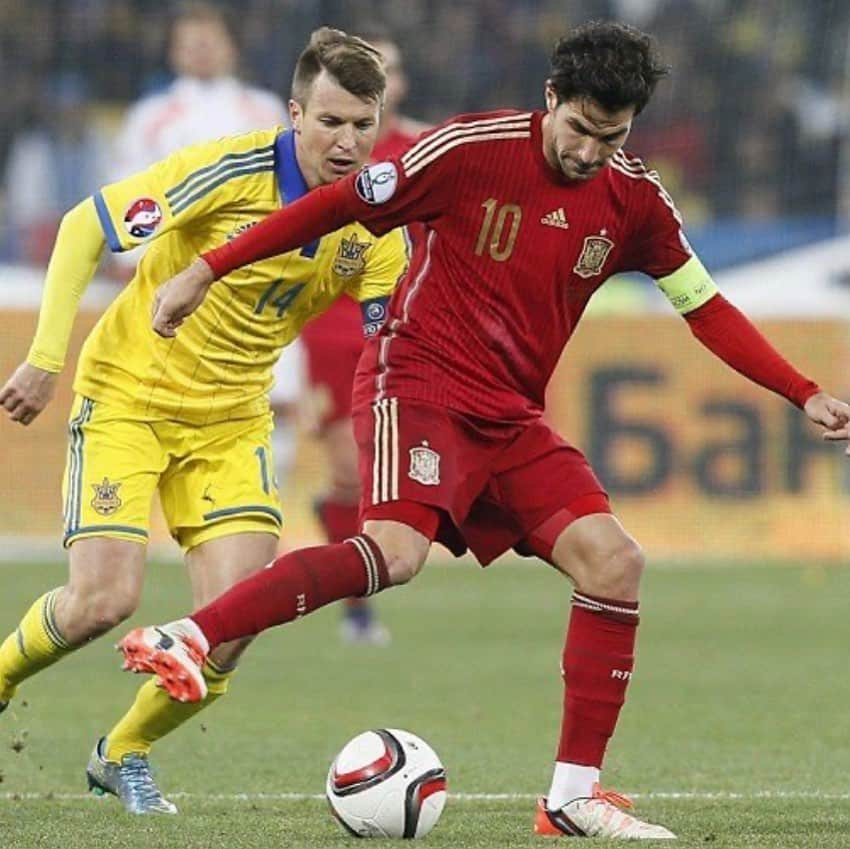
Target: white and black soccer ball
387, 783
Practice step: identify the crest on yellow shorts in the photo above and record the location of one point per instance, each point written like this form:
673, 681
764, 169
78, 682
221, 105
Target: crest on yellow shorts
106, 500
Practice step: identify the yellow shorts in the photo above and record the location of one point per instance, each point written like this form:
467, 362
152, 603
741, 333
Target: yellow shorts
213, 480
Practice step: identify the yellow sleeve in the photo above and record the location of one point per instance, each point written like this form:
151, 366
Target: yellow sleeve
185, 186
688, 287
386, 262
79, 244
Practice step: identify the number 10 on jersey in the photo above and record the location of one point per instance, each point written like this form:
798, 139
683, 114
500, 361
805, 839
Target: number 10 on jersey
498, 230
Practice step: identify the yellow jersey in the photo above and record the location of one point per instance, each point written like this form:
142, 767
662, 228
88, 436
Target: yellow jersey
218, 367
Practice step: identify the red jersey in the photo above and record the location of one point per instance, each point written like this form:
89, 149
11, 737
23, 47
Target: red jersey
512, 253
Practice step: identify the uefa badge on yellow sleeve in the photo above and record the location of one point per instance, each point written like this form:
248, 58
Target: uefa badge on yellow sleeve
142, 218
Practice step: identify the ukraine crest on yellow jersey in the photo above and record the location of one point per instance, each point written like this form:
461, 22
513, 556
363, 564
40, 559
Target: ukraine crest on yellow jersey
219, 365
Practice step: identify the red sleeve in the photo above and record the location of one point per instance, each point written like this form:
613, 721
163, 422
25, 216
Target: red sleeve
730, 335
319, 212
418, 186
381, 197
659, 247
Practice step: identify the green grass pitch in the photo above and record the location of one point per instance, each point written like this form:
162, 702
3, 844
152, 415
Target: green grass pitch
736, 732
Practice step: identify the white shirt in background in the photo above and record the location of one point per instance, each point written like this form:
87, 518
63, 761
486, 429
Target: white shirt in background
189, 111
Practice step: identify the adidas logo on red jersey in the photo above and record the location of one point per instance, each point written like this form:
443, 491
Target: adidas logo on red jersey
556, 218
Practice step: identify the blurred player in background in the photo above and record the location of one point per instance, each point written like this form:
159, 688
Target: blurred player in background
332, 345
526, 214
189, 418
206, 100
52, 167
398, 131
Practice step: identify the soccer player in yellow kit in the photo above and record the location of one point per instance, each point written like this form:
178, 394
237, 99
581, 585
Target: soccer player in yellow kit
189, 416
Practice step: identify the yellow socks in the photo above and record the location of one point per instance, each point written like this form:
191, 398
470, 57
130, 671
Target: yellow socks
155, 714
37, 643
34, 645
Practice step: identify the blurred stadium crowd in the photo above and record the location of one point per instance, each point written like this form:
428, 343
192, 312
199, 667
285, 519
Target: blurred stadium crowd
750, 126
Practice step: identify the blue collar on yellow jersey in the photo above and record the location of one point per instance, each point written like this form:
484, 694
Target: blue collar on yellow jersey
290, 180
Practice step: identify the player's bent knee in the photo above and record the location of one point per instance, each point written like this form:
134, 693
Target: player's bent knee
111, 612
403, 543
629, 561
617, 571
101, 612
403, 568
104, 587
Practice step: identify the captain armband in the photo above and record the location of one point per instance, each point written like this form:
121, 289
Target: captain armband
688, 287
374, 312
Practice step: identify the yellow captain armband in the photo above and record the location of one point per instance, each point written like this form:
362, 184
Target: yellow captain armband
688, 287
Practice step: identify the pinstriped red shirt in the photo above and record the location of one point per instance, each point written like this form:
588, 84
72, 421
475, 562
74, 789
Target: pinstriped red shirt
511, 255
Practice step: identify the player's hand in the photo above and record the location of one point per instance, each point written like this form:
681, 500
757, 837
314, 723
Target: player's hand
179, 297
27, 392
833, 414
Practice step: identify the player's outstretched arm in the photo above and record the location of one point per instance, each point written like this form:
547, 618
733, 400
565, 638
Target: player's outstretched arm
78, 247
730, 335
319, 212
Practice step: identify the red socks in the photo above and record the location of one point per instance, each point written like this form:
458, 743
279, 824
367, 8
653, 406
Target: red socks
292, 586
339, 521
598, 659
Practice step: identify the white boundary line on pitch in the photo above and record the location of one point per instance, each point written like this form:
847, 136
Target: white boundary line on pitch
459, 797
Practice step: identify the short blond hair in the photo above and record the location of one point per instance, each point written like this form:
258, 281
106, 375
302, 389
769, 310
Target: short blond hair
351, 61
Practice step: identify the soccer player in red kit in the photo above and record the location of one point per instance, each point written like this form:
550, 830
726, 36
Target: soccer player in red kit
332, 343
526, 215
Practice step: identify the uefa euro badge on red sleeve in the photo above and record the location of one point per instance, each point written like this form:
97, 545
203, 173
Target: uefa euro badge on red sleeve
593, 255
424, 465
142, 218
376, 183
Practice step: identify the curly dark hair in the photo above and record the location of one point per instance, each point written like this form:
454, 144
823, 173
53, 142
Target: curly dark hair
614, 64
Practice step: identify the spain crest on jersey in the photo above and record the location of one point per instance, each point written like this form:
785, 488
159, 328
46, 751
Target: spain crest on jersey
424, 465
142, 218
351, 257
106, 500
594, 252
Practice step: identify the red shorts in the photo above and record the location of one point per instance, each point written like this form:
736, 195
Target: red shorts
493, 489
333, 342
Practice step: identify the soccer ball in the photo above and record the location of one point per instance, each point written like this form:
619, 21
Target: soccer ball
387, 783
